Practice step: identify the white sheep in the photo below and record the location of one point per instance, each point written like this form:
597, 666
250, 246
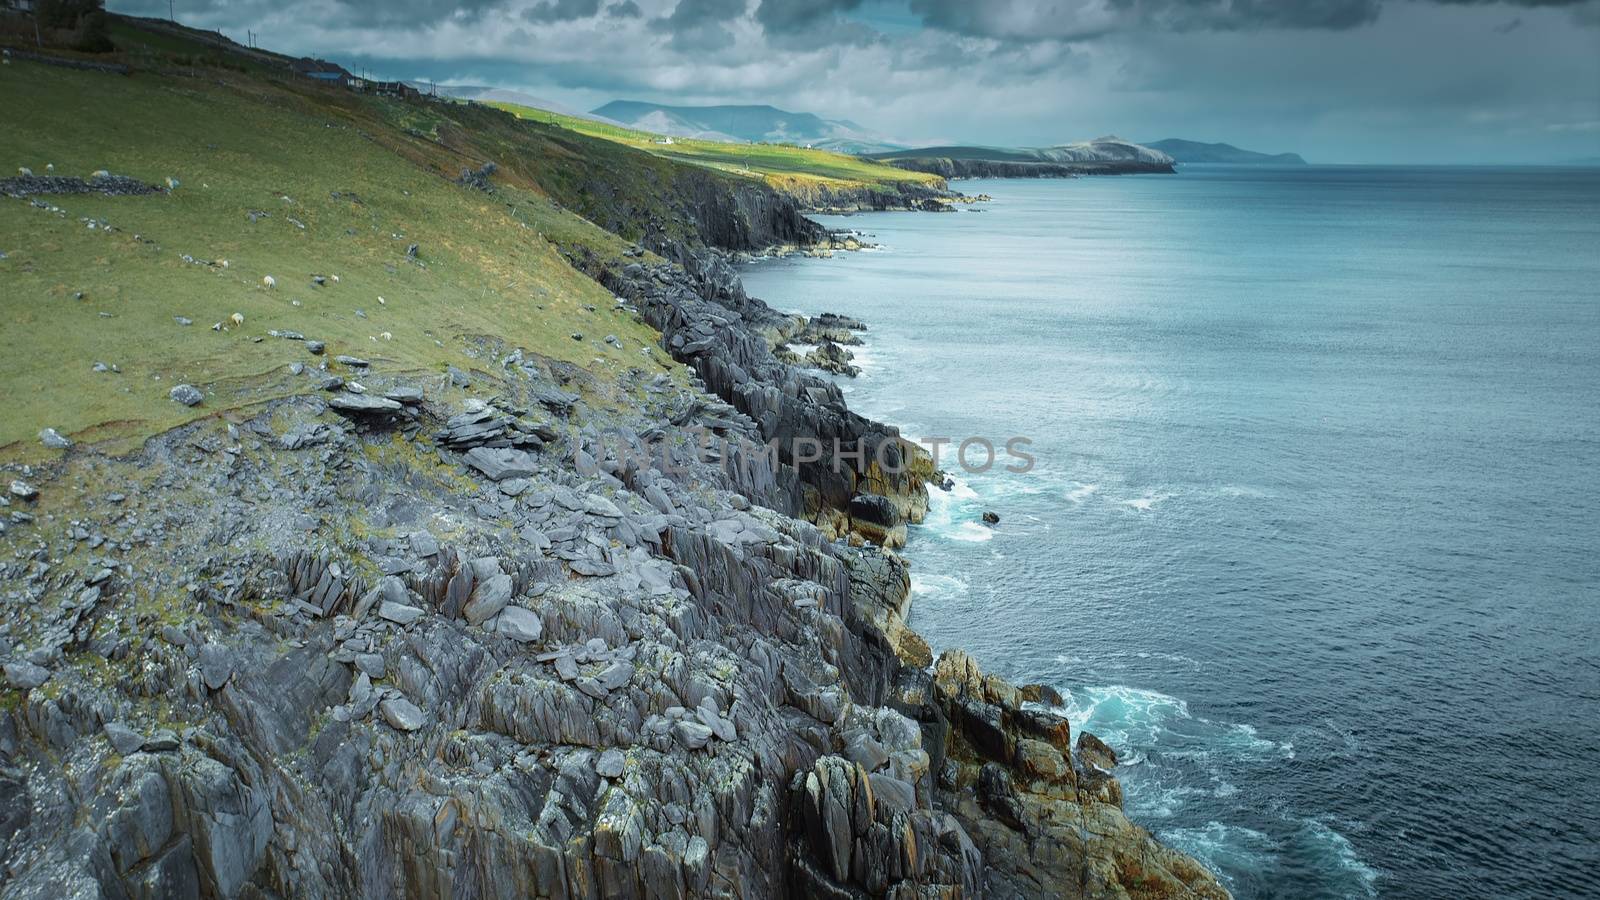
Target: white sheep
101, 173
269, 281
236, 319
24, 171
386, 336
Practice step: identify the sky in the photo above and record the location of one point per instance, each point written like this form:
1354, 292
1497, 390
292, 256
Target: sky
1338, 81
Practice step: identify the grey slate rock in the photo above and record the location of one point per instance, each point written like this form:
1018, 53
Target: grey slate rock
363, 403
610, 764
502, 463
164, 740
123, 739
402, 714
692, 735
216, 665
54, 439
488, 599
25, 675
520, 624
423, 543
398, 613
187, 394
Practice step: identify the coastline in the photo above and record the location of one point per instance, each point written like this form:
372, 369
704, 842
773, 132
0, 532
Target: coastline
1011, 773
396, 631
446, 630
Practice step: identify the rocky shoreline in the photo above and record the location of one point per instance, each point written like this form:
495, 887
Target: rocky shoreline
521, 631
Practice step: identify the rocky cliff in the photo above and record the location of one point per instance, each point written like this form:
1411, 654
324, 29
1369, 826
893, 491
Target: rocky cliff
516, 628
1101, 156
1002, 168
818, 196
456, 637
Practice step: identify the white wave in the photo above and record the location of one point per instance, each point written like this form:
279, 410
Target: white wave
929, 584
1145, 503
1343, 854
1224, 847
1159, 801
1081, 491
1243, 491
1125, 717
1177, 658
866, 358
969, 532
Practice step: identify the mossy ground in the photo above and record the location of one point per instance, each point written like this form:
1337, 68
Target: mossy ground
364, 179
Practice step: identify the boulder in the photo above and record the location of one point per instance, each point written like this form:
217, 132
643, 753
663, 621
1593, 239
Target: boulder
498, 464
26, 676
402, 714
187, 394
519, 624
488, 599
54, 440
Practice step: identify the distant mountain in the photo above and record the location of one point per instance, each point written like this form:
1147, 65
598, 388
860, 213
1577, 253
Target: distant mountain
745, 124
1196, 152
1104, 155
501, 95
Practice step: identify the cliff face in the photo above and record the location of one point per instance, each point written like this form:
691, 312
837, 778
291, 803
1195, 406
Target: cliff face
1101, 156
816, 196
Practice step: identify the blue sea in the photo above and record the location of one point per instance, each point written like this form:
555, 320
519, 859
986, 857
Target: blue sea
1313, 537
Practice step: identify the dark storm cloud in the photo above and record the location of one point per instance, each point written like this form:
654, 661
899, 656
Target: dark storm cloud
1531, 4
1351, 80
795, 15
700, 26
1083, 19
366, 13
690, 14
562, 10
1227, 15
1021, 20
812, 24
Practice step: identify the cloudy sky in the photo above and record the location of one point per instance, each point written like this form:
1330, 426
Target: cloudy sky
1336, 80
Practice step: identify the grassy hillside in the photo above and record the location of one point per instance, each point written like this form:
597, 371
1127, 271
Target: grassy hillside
779, 164
347, 185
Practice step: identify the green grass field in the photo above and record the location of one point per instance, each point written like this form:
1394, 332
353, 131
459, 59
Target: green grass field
345, 188
779, 164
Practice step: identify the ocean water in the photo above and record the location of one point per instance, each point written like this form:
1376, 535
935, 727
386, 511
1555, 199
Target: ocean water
1313, 536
